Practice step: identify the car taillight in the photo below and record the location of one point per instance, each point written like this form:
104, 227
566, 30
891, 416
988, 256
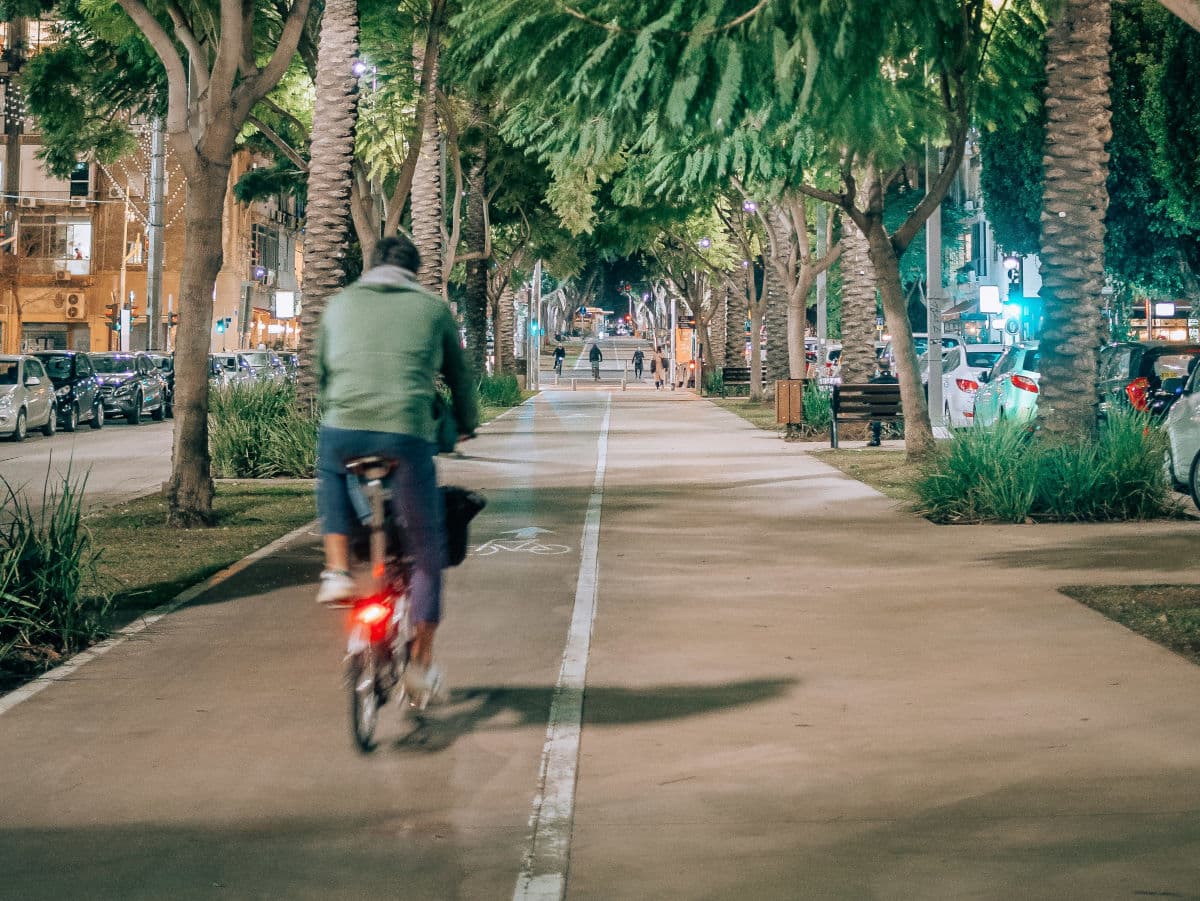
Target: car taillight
966, 385
1025, 383
1138, 392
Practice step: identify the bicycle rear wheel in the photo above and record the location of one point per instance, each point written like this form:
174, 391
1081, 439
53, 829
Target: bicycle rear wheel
362, 672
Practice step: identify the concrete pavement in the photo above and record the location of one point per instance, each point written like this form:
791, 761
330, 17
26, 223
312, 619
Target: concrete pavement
794, 690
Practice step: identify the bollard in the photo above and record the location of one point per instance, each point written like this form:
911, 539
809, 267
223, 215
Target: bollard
572, 384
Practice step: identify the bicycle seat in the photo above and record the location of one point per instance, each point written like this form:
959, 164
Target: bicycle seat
372, 466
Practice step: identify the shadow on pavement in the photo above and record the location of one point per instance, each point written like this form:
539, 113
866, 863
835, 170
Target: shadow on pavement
519, 706
1175, 552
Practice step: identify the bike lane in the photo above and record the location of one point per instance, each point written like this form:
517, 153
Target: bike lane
211, 754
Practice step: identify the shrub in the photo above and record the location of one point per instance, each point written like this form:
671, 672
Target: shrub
50, 602
1009, 474
255, 431
817, 406
714, 383
499, 391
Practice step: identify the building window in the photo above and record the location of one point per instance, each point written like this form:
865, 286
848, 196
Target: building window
264, 249
81, 181
67, 242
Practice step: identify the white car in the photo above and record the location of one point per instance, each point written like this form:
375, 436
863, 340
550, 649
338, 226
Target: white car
26, 397
961, 366
1182, 424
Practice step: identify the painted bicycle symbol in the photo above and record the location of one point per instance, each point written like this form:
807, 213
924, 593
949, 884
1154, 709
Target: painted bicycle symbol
524, 541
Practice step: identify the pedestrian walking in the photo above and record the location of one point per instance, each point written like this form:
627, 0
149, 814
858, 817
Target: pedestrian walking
639, 360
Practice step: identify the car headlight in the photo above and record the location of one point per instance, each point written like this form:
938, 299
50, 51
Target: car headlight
6, 402
124, 389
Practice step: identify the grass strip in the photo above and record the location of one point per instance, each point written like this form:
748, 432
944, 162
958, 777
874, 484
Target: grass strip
145, 563
887, 471
760, 414
1166, 614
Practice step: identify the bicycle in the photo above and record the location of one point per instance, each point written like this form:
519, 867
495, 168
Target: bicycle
378, 648
380, 631
596, 371
558, 367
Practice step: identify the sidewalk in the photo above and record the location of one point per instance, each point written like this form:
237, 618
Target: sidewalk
795, 689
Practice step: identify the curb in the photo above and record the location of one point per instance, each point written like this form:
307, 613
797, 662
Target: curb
46, 679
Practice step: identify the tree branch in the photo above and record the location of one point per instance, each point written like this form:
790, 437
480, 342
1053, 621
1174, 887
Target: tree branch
620, 29
177, 98
229, 51
257, 86
187, 37
283, 146
1187, 10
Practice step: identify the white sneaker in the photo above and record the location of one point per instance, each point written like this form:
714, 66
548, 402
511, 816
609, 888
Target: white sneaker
424, 684
336, 587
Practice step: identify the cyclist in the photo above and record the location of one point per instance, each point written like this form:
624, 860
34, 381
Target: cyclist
639, 361
380, 344
559, 355
595, 357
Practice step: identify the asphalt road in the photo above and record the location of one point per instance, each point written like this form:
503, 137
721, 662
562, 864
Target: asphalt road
120, 460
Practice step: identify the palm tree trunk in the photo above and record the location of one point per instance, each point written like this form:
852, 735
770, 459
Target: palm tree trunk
1074, 204
428, 211
190, 491
717, 330
735, 327
327, 232
776, 304
475, 236
858, 306
506, 362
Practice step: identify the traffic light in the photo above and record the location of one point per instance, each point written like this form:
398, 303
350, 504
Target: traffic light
112, 312
220, 325
172, 320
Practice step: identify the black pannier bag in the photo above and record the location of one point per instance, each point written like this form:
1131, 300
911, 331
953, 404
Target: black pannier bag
459, 507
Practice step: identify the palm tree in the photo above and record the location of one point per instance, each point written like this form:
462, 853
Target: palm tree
858, 306
428, 198
1074, 203
326, 238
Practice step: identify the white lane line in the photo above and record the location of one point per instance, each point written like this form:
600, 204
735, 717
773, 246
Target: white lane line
544, 870
25, 692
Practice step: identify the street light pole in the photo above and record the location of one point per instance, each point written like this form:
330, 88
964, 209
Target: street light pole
673, 333
933, 294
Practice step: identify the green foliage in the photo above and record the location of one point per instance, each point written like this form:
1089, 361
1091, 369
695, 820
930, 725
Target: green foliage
255, 431
50, 602
499, 391
1011, 182
817, 407
1008, 474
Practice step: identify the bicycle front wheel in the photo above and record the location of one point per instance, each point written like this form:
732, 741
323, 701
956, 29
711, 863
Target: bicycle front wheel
362, 673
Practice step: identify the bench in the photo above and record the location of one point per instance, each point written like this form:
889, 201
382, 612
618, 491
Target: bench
739, 375
863, 403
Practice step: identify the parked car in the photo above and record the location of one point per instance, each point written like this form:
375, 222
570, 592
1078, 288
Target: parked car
259, 364
76, 388
961, 368
26, 397
228, 369
1182, 425
1010, 390
1142, 375
921, 343
165, 364
131, 386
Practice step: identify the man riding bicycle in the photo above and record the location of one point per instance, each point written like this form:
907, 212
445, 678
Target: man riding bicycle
559, 356
595, 357
380, 344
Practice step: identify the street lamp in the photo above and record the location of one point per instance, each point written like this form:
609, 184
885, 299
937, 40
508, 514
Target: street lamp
750, 206
705, 243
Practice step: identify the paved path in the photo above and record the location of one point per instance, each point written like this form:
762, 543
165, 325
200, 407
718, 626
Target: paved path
794, 690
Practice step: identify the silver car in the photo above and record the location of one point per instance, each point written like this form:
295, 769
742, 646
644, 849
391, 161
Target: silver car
26, 397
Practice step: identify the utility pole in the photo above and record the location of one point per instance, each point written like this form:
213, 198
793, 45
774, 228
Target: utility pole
535, 323
934, 295
674, 332
154, 264
122, 298
822, 290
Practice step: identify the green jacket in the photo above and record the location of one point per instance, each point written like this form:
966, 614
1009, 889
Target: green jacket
380, 344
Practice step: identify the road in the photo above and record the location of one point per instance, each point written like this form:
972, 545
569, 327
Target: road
121, 461
788, 694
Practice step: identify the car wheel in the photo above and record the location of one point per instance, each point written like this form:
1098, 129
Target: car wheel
51, 425
97, 416
134, 416
160, 412
19, 428
1194, 481
71, 419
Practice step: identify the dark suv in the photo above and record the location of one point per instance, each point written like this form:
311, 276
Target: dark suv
1142, 375
76, 388
165, 363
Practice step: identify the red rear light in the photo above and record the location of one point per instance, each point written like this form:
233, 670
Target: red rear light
373, 613
1025, 383
966, 385
1138, 392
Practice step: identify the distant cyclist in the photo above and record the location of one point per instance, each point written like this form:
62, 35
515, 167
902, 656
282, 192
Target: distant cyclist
639, 362
594, 356
559, 356
380, 344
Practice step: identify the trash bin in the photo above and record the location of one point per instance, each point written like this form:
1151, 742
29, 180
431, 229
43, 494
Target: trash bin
789, 405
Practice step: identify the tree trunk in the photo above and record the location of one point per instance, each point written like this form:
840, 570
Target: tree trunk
858, 306
1075, 201
735, 328
717, 331
918, 433
506, 362
190, 491
775, 296
475, 236
756, 361
428, 213
326, 236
